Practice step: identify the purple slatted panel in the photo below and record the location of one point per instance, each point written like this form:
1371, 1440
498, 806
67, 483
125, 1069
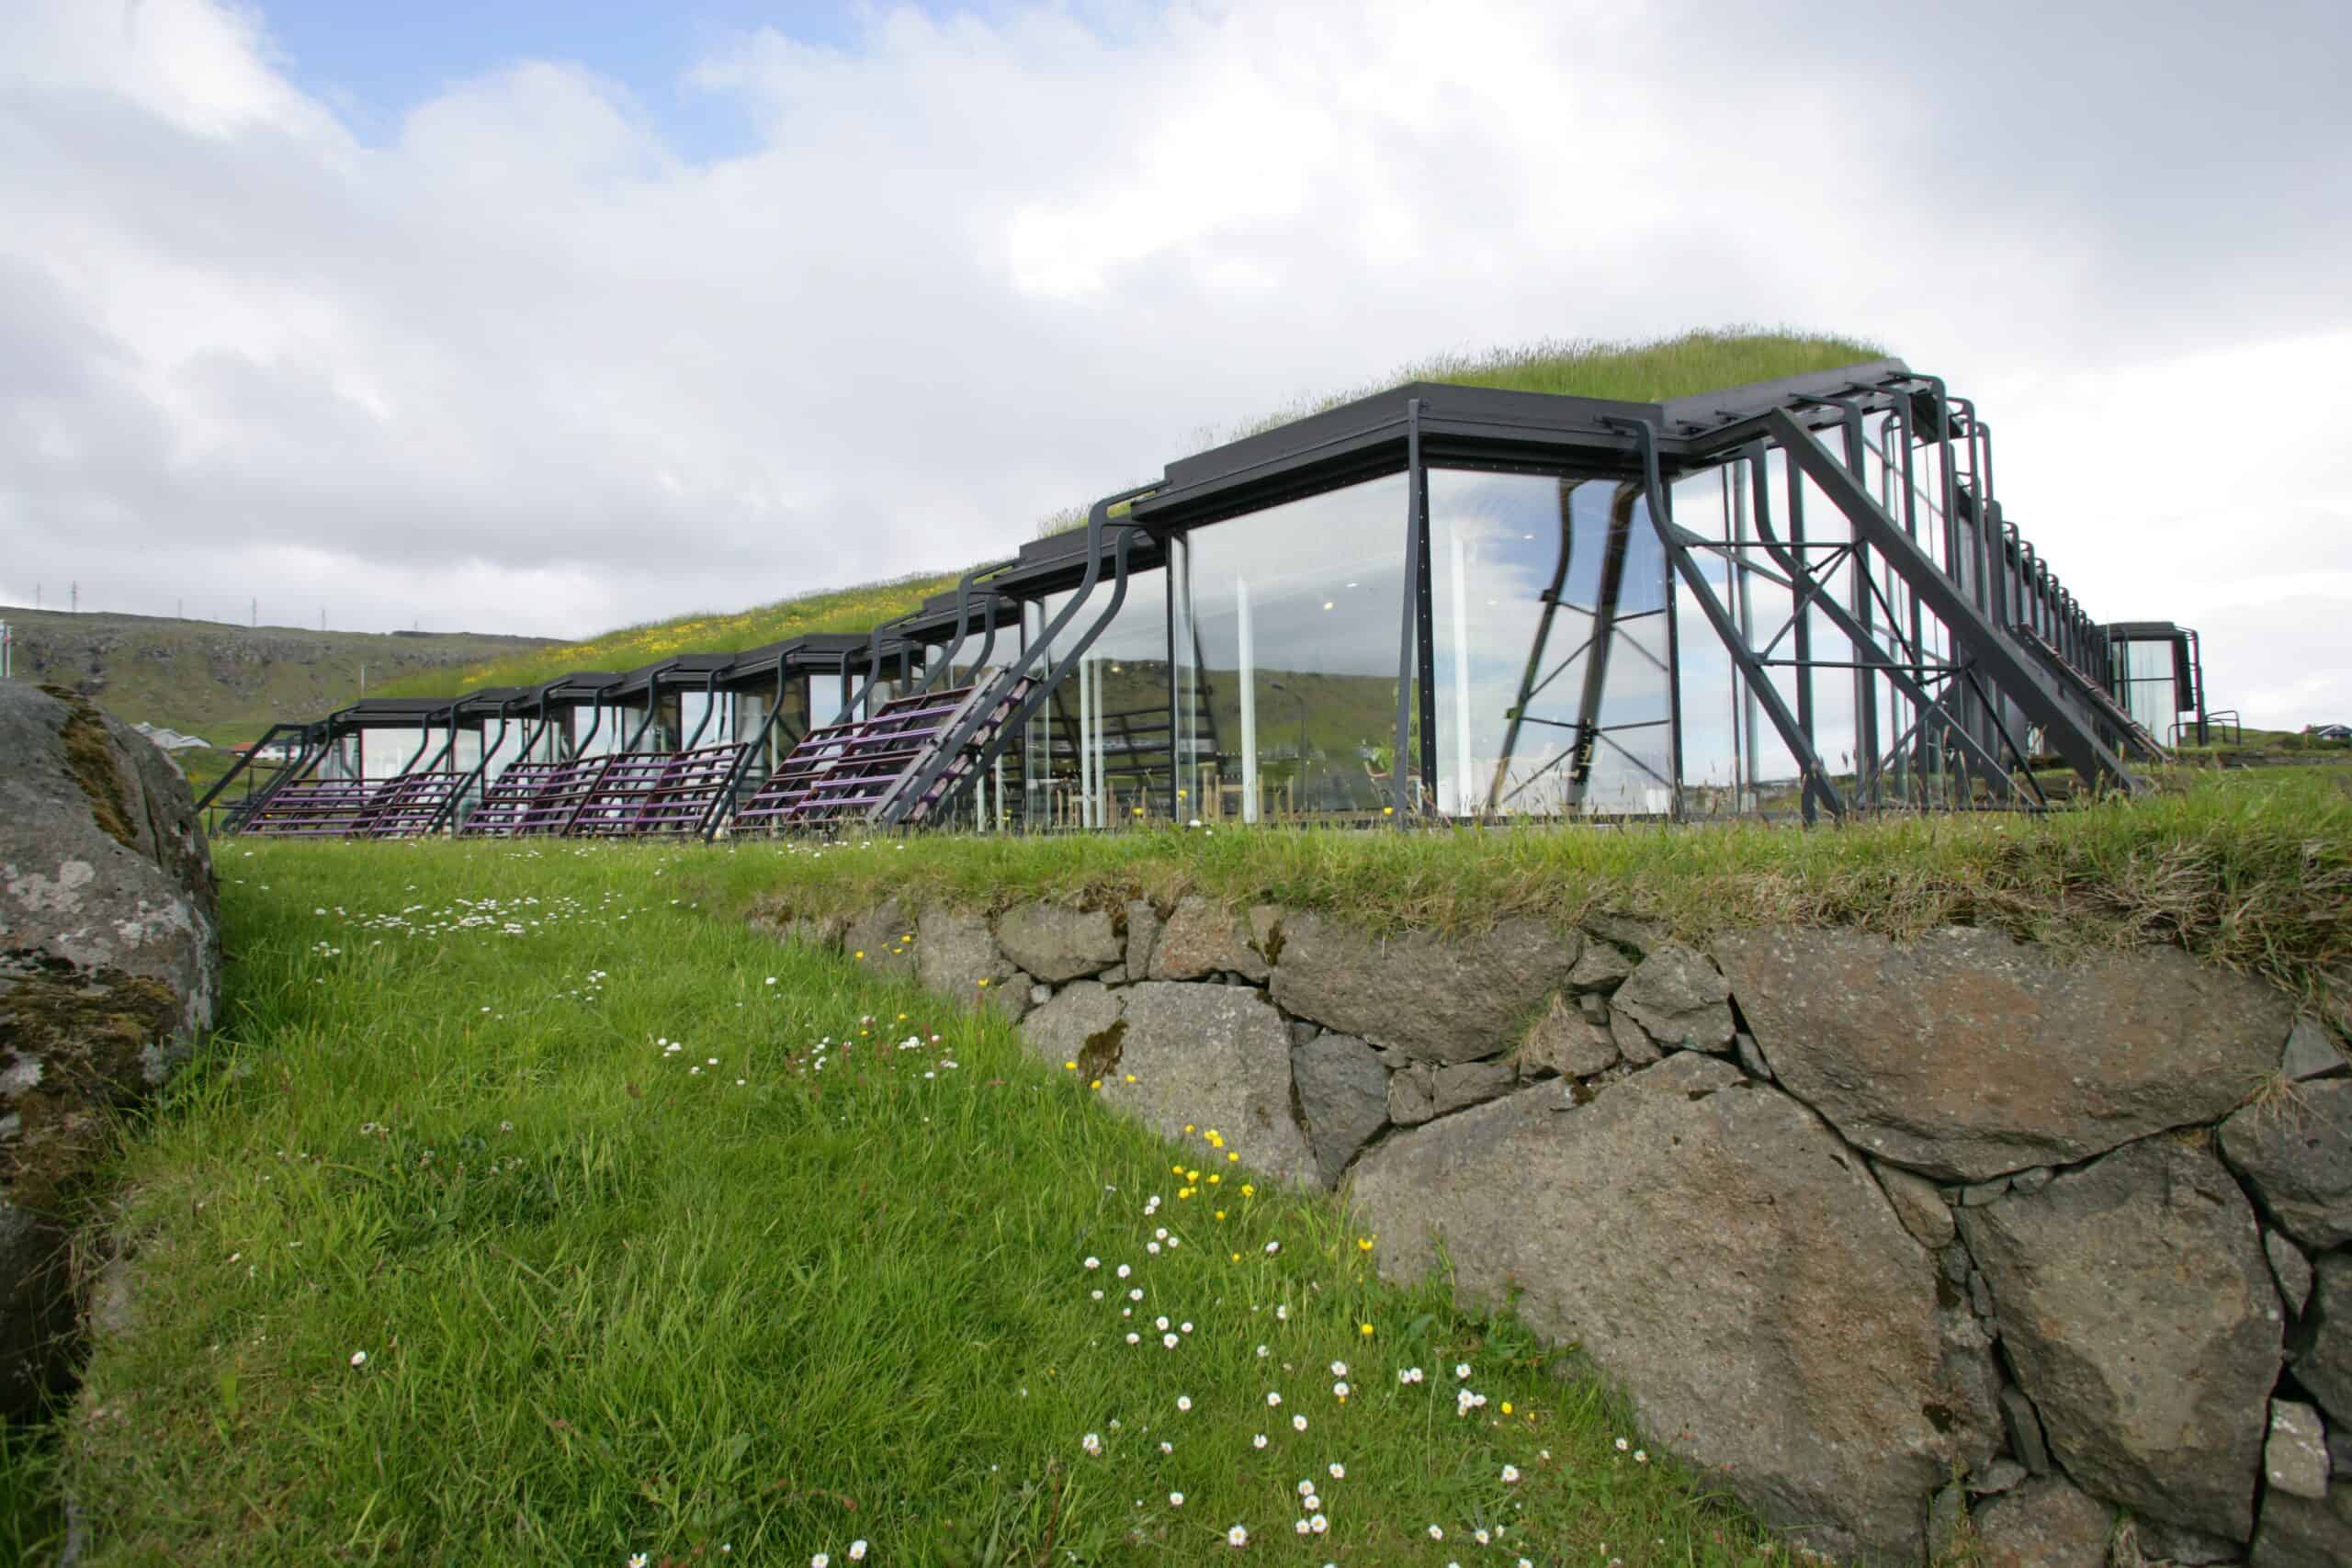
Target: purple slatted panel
411, 804
505, 802
659, 792
850, 772
319, 808
999, 709
551, 811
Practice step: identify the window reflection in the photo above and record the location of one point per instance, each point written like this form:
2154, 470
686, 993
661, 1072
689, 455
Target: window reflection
1550, 655
1287, 628
1099, 752
2151, 693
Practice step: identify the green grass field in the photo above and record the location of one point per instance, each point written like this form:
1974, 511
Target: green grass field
529, 1209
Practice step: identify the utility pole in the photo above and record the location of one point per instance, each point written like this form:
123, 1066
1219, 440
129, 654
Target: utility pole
73, 598
363, 677
256, 611
8, 650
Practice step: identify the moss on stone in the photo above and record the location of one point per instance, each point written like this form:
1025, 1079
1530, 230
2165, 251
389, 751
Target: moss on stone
90, 1035
89, 759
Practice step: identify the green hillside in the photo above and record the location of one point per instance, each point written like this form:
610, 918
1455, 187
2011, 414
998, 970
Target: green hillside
1650, 370
229, 682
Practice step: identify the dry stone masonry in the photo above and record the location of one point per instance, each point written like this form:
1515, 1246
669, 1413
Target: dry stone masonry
109, 965
1952, 1249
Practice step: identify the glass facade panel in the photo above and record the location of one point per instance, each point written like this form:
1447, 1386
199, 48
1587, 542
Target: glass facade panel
1549, 614
826, 698
1287, 626
600, 730
2151, 694
1099, 752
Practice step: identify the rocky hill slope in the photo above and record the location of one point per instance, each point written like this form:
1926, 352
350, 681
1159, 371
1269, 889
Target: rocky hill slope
225, 682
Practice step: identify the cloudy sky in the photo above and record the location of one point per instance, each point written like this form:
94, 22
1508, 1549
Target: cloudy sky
548, 315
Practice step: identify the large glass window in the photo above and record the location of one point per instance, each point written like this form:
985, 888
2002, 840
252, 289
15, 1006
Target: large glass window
1550, 660
1100, 754
384, 752
2151, 694
1288, 627
826, 698
598, 730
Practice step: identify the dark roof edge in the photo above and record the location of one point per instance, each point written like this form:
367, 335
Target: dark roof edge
1702, 409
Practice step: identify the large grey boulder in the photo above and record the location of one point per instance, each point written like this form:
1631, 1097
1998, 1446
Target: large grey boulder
109, 968
1054, 943
1212, 1056
1080, 1025
954, 954
1452, 1000
2043, 1523
1723, 1256
2323, 1344
2137, 1306
1967, 1054
1203, 938
883, 941
1680, 998
2296, 1153
1343, 1093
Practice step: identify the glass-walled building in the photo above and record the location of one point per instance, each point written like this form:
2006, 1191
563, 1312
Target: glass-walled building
1463, 603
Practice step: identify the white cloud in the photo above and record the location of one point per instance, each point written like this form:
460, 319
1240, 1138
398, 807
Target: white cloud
525, 366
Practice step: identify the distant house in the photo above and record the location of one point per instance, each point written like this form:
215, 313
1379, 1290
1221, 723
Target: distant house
2332, 732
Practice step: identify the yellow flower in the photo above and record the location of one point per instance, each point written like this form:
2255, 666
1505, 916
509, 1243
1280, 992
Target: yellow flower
1069, 1067
1096, 1084
1230, 1157
1388, 811
902, 1018
1237, 1257
1175, 1170
1363, 1244
1188, 1126
1220, 1214
861, 952
984, 985
1364, 1330
1192, 1175
1214, 1179
1248, 1190
1131, 1077
1506, 1406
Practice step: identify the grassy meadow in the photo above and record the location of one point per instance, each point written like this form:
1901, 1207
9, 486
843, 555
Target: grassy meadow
527, 1208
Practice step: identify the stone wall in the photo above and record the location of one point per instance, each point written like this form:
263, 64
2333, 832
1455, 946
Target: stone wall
1907, 1245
